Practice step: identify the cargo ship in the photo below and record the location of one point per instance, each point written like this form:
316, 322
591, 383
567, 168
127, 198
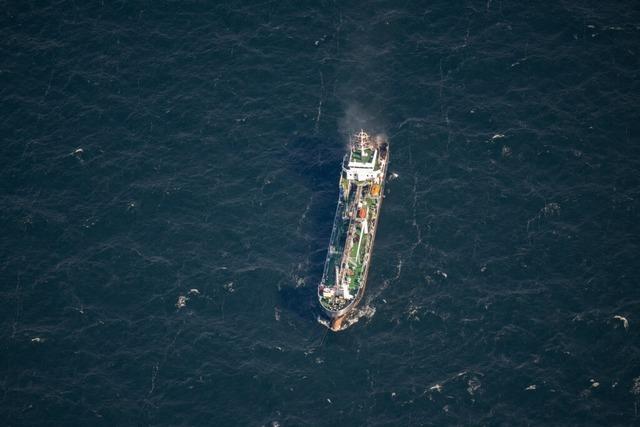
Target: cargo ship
346, 267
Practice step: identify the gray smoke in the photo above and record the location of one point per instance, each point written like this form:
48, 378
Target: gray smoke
355, 118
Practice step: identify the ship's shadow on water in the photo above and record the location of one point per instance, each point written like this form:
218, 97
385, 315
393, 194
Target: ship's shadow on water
299, 300
316, 162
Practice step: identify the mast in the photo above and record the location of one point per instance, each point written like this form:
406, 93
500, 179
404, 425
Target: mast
363, 137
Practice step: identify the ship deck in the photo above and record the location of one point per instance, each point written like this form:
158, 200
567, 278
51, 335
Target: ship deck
350, 247
356, 156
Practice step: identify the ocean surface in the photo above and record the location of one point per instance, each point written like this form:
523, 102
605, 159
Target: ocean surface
169, 178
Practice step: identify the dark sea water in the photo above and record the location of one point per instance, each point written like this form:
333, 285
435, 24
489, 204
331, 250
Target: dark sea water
158, 149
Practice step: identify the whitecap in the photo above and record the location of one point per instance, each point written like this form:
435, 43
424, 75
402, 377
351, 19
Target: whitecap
182, 301
624, 320
366, 312
229, 287
473, 385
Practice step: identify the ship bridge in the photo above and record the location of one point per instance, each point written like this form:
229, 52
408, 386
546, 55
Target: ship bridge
363, 162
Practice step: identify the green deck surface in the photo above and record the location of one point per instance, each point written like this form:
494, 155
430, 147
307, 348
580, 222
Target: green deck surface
357, 157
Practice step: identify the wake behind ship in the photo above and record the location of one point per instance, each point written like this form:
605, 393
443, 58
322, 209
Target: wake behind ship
354, 228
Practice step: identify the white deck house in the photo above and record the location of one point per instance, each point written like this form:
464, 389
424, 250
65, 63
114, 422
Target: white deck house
363, 160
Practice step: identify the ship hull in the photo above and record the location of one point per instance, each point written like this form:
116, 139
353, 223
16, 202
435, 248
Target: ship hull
336, 317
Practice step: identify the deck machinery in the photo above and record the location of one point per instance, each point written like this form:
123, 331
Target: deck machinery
354, 228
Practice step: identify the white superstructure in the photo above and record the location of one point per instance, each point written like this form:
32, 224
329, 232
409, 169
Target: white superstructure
363, 160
